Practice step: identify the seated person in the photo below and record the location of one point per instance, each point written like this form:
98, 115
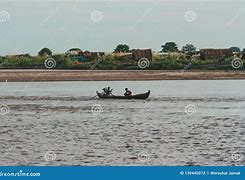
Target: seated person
107, 91
128, 92
104, 91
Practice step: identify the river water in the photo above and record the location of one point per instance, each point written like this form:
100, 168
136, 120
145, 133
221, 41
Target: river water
182, 123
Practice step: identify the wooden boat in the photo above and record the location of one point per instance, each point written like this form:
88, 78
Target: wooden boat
137, 96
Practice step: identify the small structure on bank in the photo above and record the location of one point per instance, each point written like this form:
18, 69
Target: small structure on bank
138, 54
215, 53
78, 55
135, 54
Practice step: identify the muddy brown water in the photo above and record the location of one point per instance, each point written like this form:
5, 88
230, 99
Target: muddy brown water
182, 123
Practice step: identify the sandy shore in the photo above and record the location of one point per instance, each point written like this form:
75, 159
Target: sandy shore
117, 75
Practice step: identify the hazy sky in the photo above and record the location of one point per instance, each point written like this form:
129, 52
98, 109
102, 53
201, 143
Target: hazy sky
26, 26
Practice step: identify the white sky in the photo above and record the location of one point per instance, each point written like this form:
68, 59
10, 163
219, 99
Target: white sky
60, 25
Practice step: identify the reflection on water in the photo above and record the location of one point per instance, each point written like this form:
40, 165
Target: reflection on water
58, 117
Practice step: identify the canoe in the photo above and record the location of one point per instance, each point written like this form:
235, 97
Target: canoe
137, 96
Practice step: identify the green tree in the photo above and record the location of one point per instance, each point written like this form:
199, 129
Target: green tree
235, 49
122, 48
170, 47
45, 52
189, 49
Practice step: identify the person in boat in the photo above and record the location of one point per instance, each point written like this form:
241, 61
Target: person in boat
128, 92
108, 91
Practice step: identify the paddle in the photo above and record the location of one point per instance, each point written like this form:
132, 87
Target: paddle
91, 98
94, 97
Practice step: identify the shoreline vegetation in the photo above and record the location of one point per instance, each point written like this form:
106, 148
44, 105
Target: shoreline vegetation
121, 61
13, 75
124, 64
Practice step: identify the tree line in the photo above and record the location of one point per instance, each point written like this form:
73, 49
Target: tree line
171, 47
168, 47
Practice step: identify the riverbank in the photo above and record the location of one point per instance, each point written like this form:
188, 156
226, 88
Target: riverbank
115, 75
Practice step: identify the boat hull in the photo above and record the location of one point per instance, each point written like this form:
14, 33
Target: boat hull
137, 96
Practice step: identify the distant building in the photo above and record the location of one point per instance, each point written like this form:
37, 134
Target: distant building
138, 54
23, 55
96, 55
78, 55
215, 53
74, 52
